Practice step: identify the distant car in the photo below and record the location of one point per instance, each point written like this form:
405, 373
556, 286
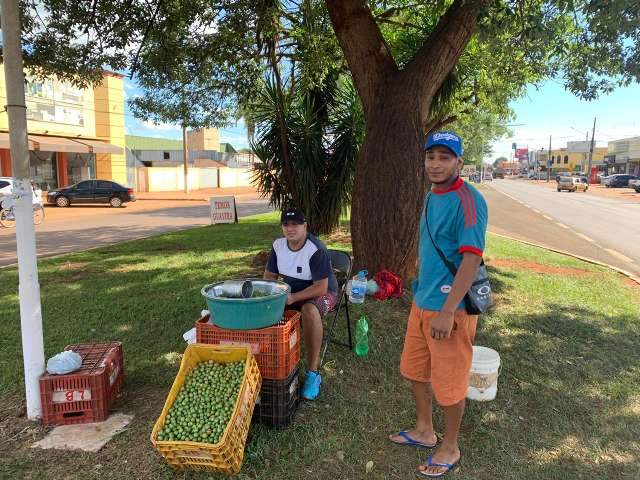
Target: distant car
619, 180
487, 177
561, 175
6, 186
573, 184
91, 191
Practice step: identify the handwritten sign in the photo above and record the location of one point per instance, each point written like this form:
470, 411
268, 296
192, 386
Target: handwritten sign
223, 210
65, 396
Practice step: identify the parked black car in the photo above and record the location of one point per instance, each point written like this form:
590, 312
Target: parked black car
619, 180
91, 191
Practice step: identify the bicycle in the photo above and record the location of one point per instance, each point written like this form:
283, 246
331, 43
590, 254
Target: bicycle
8, 218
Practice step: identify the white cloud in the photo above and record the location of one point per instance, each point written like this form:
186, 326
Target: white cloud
159, 126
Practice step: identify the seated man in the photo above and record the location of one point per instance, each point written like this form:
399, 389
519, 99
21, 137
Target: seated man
303, 262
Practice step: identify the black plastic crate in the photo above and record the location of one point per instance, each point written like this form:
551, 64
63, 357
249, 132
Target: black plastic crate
278, 401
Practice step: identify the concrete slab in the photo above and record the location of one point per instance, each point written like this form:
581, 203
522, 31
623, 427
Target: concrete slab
88, 437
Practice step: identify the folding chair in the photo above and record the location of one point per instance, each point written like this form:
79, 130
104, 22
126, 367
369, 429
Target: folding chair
341, 263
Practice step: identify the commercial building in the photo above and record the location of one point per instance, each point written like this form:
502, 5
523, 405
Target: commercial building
74, 134
623, 156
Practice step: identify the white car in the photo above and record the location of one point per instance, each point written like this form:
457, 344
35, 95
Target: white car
6, 186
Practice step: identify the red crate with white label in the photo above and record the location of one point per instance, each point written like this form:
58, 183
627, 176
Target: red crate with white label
276, 348
87, 394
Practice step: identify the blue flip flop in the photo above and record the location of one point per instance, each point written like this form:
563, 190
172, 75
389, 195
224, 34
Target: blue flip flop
412, 442
449, 467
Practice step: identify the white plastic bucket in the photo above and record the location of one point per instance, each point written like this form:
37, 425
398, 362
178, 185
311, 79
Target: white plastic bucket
483, 381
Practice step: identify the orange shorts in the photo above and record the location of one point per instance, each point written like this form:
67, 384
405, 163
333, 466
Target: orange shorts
444, 363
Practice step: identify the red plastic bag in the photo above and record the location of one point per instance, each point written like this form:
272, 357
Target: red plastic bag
389, 285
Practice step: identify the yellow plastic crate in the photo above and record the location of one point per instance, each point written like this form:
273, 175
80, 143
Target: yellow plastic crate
225, 456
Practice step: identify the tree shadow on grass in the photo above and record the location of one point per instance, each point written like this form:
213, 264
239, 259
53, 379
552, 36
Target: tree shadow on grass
567, 374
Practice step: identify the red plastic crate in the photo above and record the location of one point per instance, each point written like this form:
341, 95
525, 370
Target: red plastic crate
87, 394
276, 348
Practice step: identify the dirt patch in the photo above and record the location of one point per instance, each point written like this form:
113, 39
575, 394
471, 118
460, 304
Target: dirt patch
538, 267
260, 260
634, 286
340, 235
73, 266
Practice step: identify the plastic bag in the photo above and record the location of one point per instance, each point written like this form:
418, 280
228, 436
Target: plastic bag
190, 336
64, 362
390, 285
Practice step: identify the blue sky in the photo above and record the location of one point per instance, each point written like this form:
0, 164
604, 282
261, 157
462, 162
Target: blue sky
548, 110
551, 110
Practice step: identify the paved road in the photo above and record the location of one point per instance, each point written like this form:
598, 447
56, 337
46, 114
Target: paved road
82, 227
607, 230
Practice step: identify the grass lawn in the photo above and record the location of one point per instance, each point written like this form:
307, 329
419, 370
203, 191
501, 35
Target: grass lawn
568, 404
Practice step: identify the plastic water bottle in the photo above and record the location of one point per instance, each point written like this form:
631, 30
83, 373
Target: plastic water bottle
358, 287
362, 337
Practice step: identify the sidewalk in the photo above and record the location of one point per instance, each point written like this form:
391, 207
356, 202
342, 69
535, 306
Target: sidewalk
246, 193
598, 190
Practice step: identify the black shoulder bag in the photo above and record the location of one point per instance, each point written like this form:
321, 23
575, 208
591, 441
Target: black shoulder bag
479, 298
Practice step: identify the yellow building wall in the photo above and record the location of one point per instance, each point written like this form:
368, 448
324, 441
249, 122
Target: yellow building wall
62, 100
576, 159
110, 126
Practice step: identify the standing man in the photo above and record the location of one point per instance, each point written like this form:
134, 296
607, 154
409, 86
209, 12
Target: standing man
303, 262
437, 352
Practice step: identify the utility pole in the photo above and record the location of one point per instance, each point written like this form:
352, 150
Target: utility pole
29, 288
593, 134
549, 161
185, 158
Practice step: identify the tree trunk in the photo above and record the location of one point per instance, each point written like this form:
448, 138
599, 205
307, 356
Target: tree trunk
389, 189
390, 179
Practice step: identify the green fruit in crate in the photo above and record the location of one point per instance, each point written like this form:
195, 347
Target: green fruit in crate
203, 407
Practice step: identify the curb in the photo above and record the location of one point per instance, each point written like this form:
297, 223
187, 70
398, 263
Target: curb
572, 255
172, 199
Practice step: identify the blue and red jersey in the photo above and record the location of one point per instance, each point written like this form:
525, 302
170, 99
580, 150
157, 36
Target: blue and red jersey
458, 223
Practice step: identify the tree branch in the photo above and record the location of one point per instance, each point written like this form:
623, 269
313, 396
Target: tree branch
444, 47
144, 39
367, 54
398, 23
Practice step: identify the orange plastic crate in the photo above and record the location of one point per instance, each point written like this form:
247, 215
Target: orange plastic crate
87, 394
276, 348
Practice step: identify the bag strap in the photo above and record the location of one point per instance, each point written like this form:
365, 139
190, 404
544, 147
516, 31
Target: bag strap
452, 268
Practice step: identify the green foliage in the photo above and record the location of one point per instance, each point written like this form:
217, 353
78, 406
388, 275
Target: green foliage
324, 128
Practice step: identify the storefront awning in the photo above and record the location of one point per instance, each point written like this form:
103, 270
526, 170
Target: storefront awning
63, 144
97, 146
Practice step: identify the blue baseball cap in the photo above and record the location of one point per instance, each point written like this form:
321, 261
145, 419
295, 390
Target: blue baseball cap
445, 139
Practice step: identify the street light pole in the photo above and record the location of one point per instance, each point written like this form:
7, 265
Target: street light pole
185, 158
593, 133
549, 158
29, 288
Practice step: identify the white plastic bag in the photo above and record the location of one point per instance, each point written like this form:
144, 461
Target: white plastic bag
64, 362
190, 336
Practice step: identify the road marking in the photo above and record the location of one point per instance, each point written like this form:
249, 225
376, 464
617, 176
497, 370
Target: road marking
548, 217
584, 237
528, 206
562, 225
619, 255
537, 211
